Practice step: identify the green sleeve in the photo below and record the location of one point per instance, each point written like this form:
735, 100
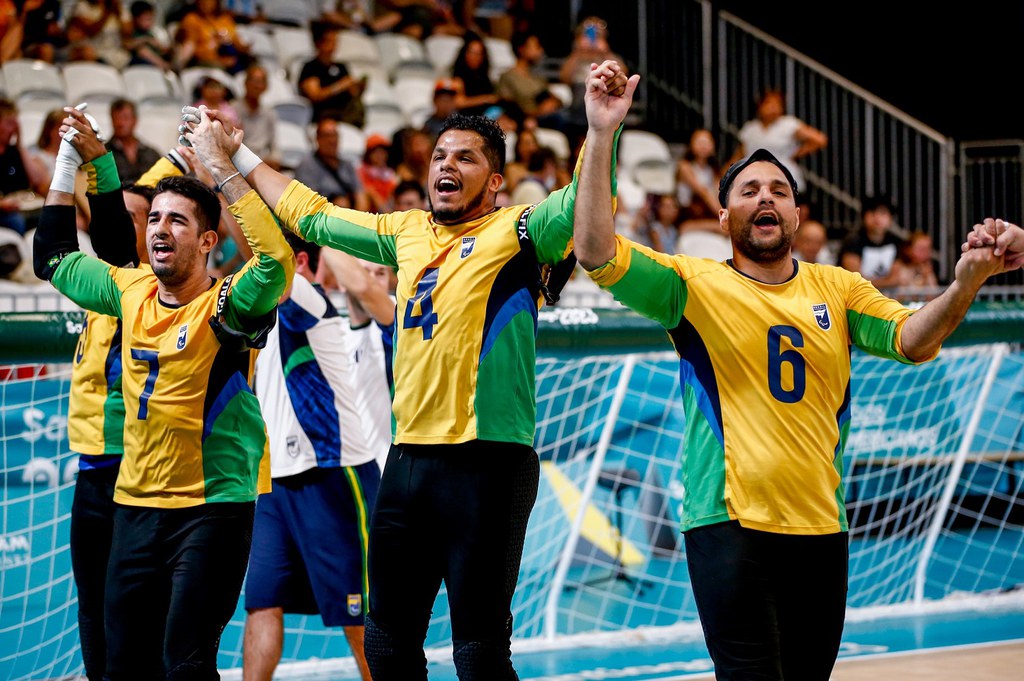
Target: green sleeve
316, 219
101, 174
644, 280
550, 223
88, 282
260, 283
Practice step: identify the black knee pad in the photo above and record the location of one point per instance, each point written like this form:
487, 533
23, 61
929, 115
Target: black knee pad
192, 671
483, 661
391, 659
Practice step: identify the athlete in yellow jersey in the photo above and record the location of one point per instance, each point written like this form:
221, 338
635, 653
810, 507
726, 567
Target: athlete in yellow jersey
764, 357
194, 438
462, 476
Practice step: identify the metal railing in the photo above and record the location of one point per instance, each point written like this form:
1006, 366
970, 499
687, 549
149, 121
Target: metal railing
992, 185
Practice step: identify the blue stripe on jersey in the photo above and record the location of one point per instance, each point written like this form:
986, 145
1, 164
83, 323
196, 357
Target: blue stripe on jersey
842, 419
294, 318
696, 370
312, 397
112, 365
520, 301
93, 462
235, 384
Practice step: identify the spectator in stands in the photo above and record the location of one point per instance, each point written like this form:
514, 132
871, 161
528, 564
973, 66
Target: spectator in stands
419, 18
258, 121
209, 38
378, 179
810, 243
472, 78
245, 11
444, 105
787, 137
14, 257
874, 248
327, 84
413, 160
213, 94
142, 42
326, 172
45, 148
589, 47
42, 31
529, 90
410, 195
95, 32
540, 181
658, 223
133, 158
12, 30
19, 172
365, 16
697, 176
915, 266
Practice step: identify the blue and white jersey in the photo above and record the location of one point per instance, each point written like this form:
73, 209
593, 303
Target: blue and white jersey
369, 348
307, 386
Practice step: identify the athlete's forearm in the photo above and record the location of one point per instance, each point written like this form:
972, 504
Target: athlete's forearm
357, 282
594, 225
111, 226
270, 271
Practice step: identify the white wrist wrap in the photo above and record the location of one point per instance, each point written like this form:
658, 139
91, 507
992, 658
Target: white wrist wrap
245, 160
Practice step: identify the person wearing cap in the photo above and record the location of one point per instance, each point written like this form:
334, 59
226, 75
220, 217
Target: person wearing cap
379, 180
445, 91
764, 355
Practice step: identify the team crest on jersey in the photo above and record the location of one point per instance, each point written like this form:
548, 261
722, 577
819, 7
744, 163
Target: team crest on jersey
292, 444
182, 336
355, 604
821, 316
468, 242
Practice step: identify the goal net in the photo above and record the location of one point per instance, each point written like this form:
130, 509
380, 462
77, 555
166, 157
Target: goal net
934, 489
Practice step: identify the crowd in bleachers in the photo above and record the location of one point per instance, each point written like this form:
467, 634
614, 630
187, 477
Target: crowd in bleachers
348, 97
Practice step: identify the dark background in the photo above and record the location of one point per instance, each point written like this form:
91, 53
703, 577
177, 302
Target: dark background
956, 66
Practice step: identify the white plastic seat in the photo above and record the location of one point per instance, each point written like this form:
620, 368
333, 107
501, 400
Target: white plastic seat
563, 91
293, 45
554, 140
656, 177
89, 81
442, 50
384, 119
354, 46
28, 76
190, 77
261, 44
40, 102
293, 143
415, 93
148, 83
396, 49
353, 142
380, 92
501, 56
298, 111
299, 12
158, 124
639, 145
30, 124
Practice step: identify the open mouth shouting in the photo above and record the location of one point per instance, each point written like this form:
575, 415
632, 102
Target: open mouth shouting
161, 251
766, 218
447, 187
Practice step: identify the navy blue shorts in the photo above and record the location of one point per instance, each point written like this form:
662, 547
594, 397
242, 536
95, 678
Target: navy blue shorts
309, 544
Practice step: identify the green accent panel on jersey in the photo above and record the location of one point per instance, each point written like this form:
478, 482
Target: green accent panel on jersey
349, 237
102, 175
231, 471
113, 419
87, 282
510, 365
703, 474
363, 528
652, 288
874, 336
300, 356
844, 433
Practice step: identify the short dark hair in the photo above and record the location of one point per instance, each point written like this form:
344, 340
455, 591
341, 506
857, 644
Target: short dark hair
321, 29
122, 103
540, 157
520, 38
140, 7
491, 132
300, 245
208, 214
410, 186
873, 203
725, 184
139, 190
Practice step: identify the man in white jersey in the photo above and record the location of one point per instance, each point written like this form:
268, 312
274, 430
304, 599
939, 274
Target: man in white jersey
310, 533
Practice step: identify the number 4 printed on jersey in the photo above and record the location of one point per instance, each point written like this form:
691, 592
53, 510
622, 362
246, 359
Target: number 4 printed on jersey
427, 318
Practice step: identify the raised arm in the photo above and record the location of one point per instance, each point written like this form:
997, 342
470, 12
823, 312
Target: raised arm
358, 284
258, 286
927, 328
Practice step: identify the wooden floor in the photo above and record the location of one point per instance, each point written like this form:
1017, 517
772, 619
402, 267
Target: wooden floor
996, 662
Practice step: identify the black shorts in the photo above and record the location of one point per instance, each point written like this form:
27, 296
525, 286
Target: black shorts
172, 585
772, 606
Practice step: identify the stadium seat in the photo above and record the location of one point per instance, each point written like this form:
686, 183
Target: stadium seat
375, 74
90, 82
501, 56
158, 124
353, 143
562, 91
293, 143
190, 77
298, 111
656, 177
354, 46
412, 69
31, 77
3, 85
397, 49
442, 50
415, 93
379, 92
554, 140
150, 84
384, 119
294, 45
41, 102
261, 44
639, 145
30, 123
292, 12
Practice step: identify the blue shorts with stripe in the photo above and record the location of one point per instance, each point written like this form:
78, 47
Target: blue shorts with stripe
309, 544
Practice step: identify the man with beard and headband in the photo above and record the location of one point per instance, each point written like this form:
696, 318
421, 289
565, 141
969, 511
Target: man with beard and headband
764, 357
461, 476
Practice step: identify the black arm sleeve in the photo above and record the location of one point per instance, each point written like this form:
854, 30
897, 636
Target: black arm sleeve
112, 229
56, 237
